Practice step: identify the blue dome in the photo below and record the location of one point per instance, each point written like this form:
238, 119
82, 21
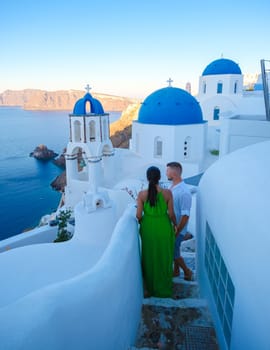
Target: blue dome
222, 66
170, 106
80, 105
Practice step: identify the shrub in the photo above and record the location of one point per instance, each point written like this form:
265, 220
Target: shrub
62, 217
215, 152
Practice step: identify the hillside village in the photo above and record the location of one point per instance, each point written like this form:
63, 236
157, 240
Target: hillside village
98, 282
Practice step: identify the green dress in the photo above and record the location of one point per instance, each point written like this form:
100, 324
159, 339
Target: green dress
158, 238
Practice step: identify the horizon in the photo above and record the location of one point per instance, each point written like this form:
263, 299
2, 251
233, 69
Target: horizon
126, 49
248, 78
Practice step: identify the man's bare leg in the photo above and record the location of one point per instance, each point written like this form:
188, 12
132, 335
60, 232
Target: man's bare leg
176, 271
181, 263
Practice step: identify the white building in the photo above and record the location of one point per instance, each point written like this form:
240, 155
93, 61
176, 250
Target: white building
170, 127
89, 151
222, 95
220, 89
232, 212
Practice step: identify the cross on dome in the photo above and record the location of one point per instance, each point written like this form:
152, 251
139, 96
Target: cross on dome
169, 81
88, 88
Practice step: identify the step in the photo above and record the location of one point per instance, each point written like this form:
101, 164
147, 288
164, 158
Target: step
182, 322
176, 324
185, 289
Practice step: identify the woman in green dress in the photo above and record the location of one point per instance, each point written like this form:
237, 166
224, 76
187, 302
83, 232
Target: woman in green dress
156, 217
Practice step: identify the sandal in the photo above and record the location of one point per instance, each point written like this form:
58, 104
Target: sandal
146, 294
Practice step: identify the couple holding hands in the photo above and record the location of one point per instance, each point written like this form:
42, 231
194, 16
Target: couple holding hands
163, 215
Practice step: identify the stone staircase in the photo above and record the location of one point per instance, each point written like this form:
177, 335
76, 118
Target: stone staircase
183, 322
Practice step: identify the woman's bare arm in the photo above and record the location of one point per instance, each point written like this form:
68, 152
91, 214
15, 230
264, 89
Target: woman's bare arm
139, 206
169, 199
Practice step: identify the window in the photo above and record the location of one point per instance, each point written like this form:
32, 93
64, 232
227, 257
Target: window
137, 142
87, 107
77, 131
105, 129
80, 160
187, 146
221, 283
204, 87
216, 113
92, 127
158, 147
219, 87
235, 88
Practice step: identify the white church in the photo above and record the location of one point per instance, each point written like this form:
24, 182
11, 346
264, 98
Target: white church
78, 293
227, 105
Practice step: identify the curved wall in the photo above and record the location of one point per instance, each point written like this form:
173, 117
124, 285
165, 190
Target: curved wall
96, 308
233, 202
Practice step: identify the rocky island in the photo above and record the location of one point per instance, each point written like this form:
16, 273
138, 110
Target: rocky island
42, 152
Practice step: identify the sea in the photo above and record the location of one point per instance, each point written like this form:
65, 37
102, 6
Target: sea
25, 191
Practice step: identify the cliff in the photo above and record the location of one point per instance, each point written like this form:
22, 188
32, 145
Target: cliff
59, 100
120, 130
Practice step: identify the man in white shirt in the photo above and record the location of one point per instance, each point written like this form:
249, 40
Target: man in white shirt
182, 205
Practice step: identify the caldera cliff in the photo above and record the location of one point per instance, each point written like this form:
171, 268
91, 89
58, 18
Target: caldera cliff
33, 99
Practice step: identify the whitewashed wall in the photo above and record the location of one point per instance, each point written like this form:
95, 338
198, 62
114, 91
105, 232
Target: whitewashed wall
226, 104
43, 234
227, 80
233, 199
173, 139
74, 295
240, 132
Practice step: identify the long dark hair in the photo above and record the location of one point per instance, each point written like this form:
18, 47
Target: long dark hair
153, 177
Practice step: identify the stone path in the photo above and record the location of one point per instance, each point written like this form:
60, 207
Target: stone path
183, 322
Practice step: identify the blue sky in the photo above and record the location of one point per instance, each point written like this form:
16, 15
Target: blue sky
127, 48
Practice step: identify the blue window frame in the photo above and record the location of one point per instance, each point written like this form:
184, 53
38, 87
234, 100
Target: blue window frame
222, 286
216, 113
219, 88
235, 88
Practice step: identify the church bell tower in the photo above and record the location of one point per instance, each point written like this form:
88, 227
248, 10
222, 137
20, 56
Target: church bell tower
89, 151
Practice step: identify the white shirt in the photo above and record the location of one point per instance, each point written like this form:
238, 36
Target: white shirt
181, 202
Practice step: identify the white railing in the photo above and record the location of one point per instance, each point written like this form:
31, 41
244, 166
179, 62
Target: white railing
43, 234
